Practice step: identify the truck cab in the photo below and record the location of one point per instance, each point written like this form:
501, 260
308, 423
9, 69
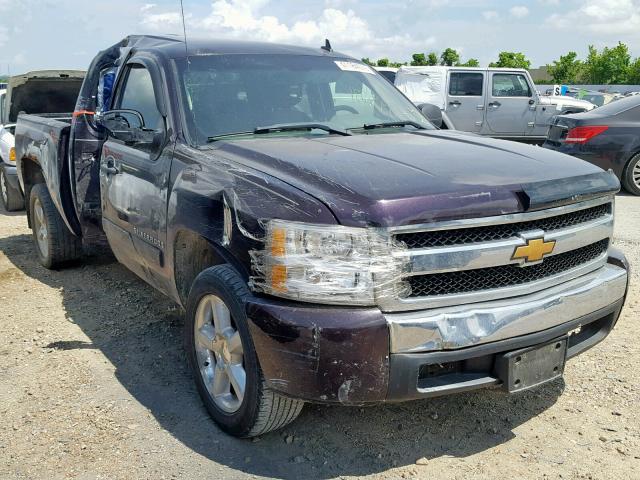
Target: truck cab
496, 102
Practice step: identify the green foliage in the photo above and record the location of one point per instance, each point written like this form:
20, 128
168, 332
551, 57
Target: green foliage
449, 57
567, 69
633, 77
368, 61
432, 59
472, 62
609, 66
383, 62
511, 60
418, 60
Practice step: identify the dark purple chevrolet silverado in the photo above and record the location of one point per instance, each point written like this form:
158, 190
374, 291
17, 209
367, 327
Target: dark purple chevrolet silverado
327, 242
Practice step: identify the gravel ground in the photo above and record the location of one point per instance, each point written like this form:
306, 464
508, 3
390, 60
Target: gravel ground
93, 384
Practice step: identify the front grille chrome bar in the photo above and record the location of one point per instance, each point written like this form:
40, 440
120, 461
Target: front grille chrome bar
472, 256
491, 254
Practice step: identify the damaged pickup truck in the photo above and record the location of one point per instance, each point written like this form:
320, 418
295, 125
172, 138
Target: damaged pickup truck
327, 243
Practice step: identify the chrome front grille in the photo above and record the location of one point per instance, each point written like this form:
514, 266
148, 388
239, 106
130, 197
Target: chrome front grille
504, 275
467, 261
488, 233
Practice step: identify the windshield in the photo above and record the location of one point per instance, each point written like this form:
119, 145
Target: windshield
229, 94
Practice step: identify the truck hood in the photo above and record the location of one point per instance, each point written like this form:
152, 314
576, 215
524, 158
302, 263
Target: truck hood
410, 178
45, 91
561, 101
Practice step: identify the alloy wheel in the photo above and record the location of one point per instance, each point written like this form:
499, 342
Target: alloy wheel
635, 175
220, 353
40, 227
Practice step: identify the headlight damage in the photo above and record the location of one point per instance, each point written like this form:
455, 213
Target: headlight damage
326, 263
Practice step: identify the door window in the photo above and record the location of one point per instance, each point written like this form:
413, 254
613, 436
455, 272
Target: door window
466, 84
510, 85
139, 95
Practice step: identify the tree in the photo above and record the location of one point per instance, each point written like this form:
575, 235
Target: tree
383, 62
367, 61
418, 60
567, 69
472, 62
610, 66
511, 60
449, 57
432, 59
633, 77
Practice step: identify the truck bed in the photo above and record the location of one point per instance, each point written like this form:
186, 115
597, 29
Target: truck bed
44, 140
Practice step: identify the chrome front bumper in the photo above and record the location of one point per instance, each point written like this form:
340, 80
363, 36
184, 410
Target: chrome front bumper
463, 326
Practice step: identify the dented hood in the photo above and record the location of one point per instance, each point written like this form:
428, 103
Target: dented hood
408, 178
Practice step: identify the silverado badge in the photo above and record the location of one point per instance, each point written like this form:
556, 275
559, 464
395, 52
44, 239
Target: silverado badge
534, 250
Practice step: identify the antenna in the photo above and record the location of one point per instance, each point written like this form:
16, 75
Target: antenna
184, 32
326, 46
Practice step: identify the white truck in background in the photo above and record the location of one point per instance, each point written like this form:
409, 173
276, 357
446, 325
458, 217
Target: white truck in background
495, 102
45, 92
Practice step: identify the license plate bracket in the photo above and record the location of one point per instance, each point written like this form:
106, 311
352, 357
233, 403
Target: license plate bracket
529, 367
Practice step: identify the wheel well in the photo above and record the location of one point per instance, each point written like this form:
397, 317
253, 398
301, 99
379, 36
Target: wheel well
31, 175
192, 254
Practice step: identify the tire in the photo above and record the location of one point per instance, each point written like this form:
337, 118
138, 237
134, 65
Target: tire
54, 243
631, 175
12, 199
260, 409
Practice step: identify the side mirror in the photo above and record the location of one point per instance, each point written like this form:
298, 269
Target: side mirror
432, 113
124, 125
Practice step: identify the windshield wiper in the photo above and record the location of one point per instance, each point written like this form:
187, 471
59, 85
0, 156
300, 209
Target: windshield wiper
400, 123
284, 127
287, 127
215, 138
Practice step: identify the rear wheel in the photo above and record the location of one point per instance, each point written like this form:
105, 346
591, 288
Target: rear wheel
631, 175
224, 361
54, 242
11, 198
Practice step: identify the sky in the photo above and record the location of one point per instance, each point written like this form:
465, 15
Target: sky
40, 34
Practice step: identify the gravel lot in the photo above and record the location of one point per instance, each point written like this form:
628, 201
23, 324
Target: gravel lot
93, 384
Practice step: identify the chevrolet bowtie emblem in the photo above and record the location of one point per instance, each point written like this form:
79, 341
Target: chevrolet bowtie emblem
534, 250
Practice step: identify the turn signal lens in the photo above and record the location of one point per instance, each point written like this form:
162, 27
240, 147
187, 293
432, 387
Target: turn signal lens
584, 134
278, 242
12, 155
279, 278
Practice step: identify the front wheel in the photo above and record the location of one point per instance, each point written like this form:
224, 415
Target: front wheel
54, 242
11, 198
631, 175
224, 361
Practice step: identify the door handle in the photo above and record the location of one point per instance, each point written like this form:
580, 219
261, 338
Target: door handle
109, 170
495, 104
479, 107
455, 103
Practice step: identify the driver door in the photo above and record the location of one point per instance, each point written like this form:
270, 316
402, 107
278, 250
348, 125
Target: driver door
511, 108
134, 176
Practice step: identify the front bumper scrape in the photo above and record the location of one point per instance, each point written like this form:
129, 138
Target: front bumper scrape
465, 326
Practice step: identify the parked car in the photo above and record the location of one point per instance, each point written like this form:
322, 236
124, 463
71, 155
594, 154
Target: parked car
597, 98
323, 252
42, 92
496, 102
608, 137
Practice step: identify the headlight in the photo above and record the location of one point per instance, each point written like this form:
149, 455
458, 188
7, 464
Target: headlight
12, 155
324, 264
